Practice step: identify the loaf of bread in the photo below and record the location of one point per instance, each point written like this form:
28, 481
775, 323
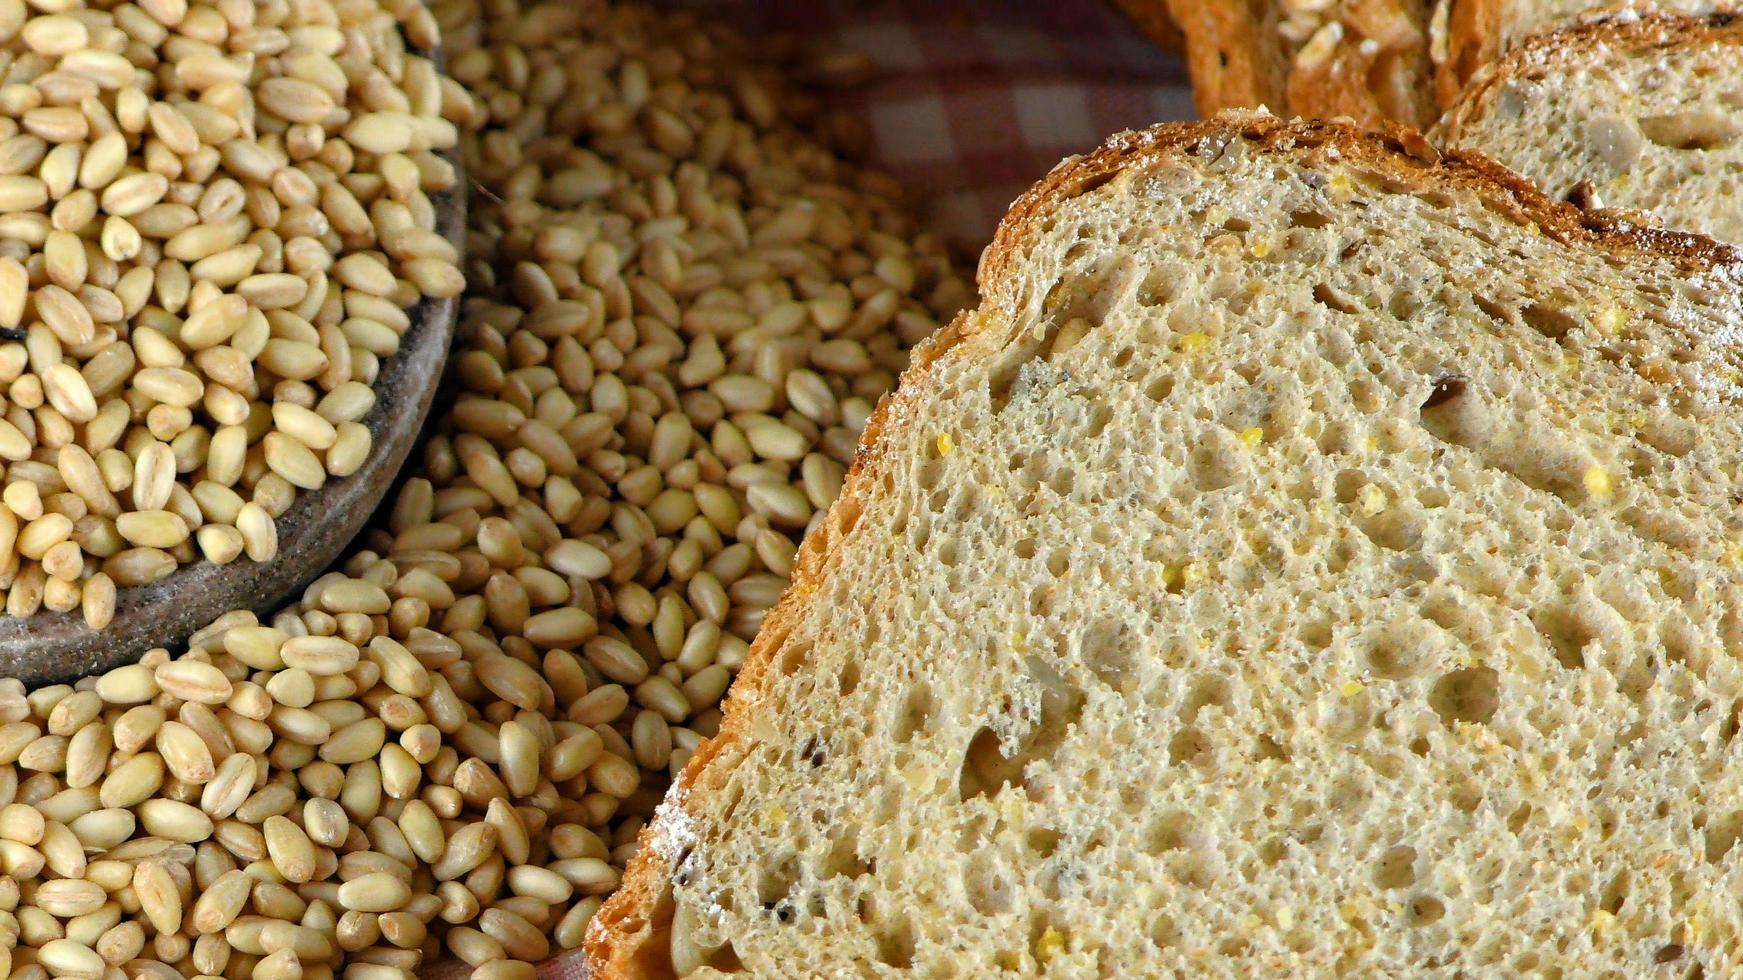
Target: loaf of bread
1643, 113
1315, 557
1403, 60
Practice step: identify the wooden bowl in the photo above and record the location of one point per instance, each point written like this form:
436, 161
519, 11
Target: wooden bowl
52, 647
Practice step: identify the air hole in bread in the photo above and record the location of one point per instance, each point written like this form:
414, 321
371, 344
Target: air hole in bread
1425, 910
1330, 298
946, 552
1365, 395
725, 959
1732, 722
1396, 868
1348, 484
850, 676
1402, 650
1163, 932
843, 860
1171, 831
1043, 599
1332, 438
896, 946
916, 712
1159, 388
1100, 414
1273, 851
1682, 645
1205, 691
1349, 795
1670, 434
1042, 842
1662, 526
1404, 305
1695, 129
1722, 834
1445, 388
1189, 746
1447, 612
1109, 650
775, 883
1266, 747
1550, 320
1394, 529
1567, 633
1496, 310
1458, 415
985, 883
1213, 464
1063, 480
1615, 893
793, 657
1471, 694
1315, 634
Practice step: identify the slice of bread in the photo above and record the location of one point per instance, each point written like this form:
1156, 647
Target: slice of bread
1646, 113
1479, 32
1371, 60
1314, 557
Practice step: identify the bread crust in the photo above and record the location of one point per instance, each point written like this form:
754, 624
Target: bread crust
626, 925
1570, 47
1235, 60
1239, 58
1473, 39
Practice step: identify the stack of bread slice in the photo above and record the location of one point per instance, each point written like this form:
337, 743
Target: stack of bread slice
1320, 554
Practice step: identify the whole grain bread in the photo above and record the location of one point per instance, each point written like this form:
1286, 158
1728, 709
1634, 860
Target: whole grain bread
1371, 60
1315, 557
1644, 113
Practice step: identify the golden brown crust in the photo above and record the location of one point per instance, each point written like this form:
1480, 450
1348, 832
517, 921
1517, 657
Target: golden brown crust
1582, 45
1152, 18
1370, 65
1235, 59
625, 925
1473, 39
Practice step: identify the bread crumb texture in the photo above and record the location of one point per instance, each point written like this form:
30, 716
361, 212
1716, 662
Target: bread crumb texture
1366, 603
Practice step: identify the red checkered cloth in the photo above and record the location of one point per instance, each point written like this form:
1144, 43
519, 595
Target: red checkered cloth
973, 101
